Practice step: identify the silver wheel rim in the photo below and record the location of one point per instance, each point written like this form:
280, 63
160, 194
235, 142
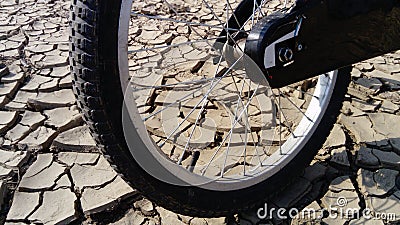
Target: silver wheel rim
268, 166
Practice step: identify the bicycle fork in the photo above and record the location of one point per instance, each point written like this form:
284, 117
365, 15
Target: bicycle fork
318, 36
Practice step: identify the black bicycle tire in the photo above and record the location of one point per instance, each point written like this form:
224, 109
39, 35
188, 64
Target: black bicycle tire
94, 68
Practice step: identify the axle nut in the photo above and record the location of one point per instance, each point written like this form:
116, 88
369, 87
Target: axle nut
285, 55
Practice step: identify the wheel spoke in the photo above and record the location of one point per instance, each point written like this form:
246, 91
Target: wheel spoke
286, 120
298, 109
258, 9
247, 120
191, 26
304, 92
205, 102
228, 35
233, 14
280, 125
247, 125
137, 14
163, 86
173, 45
232, 124
204, 97
180, 100
230, 131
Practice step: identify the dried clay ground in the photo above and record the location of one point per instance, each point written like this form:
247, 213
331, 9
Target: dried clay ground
51, 171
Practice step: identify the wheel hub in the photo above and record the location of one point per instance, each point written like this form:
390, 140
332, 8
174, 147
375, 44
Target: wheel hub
272, 43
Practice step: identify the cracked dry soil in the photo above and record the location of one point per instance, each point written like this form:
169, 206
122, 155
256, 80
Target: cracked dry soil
51, 172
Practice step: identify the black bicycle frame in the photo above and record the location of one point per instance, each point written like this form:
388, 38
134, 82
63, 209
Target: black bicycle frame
331, 34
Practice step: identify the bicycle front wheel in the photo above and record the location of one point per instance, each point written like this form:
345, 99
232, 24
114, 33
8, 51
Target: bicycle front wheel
167, 91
